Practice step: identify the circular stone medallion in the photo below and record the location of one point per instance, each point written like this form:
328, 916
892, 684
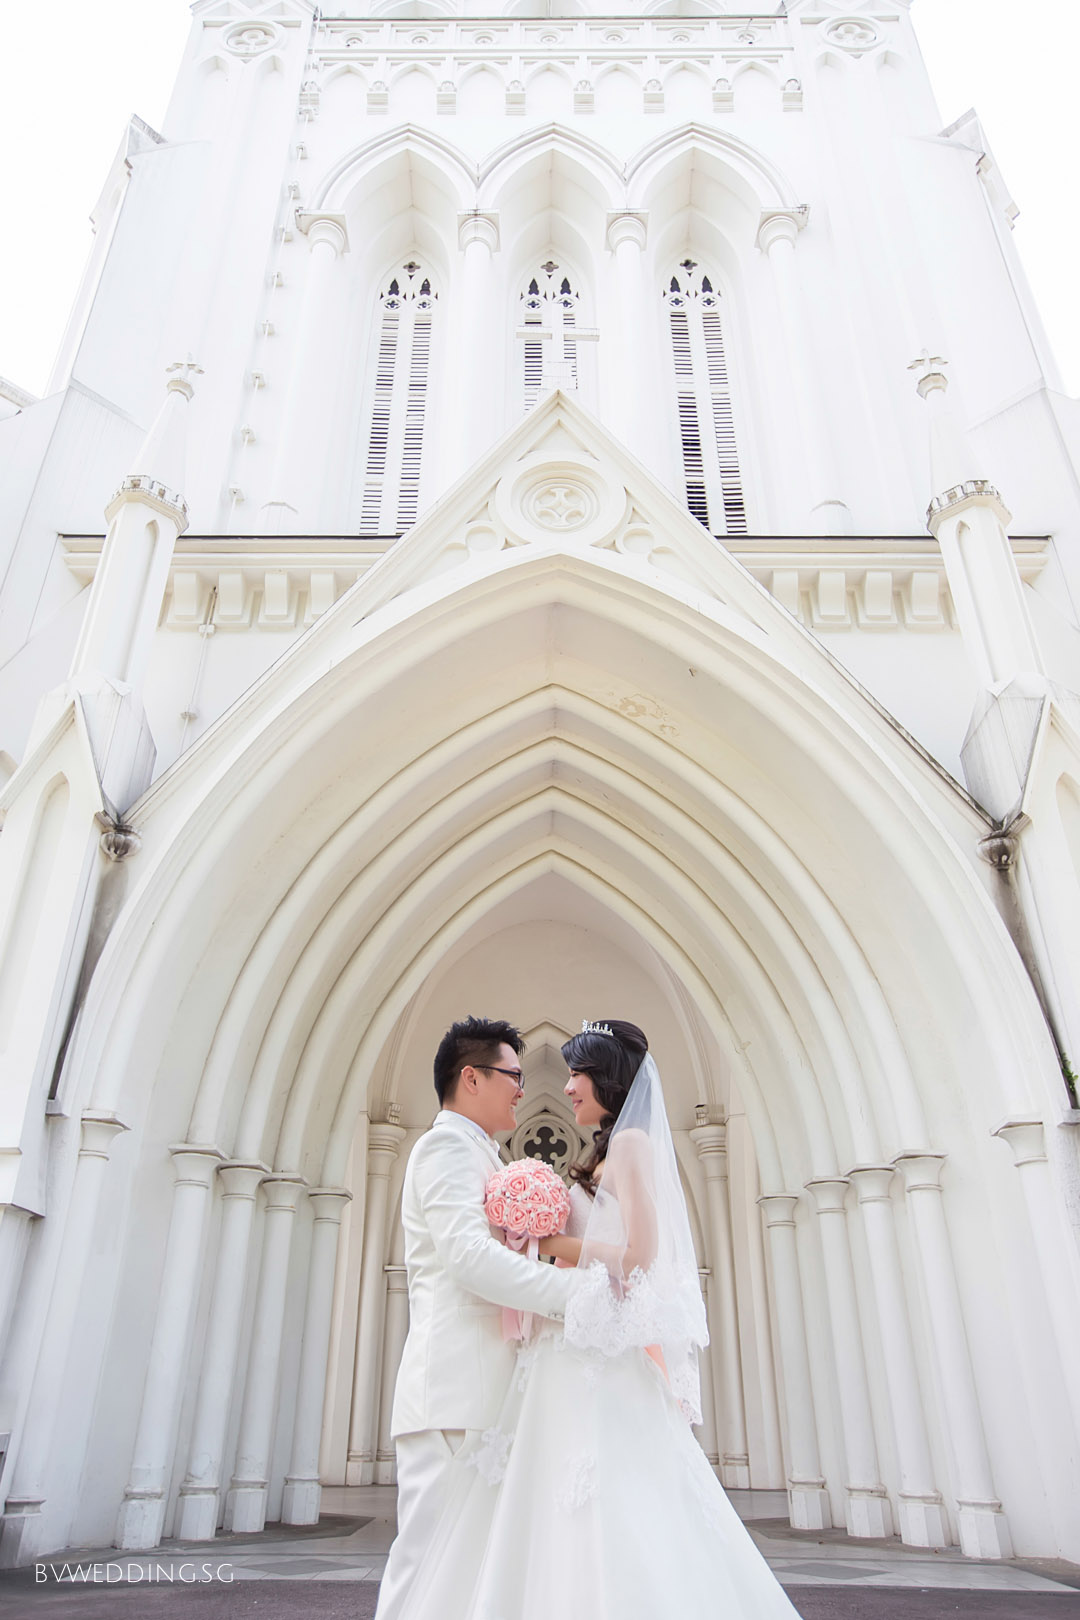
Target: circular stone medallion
559, 504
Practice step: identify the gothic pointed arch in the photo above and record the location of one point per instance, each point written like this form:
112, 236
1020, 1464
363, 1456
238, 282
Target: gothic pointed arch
360, 172
757, 181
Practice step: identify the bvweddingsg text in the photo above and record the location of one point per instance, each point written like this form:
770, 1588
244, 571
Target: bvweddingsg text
109, 1574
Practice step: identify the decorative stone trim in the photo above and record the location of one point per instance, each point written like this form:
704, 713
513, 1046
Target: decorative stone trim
973, 489
874, 583
118, 840
136, 486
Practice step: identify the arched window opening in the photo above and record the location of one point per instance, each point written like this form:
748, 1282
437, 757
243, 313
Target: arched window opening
710, 457
550, 332
395, 443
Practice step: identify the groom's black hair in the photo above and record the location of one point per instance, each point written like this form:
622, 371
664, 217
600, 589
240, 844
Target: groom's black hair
475, 1041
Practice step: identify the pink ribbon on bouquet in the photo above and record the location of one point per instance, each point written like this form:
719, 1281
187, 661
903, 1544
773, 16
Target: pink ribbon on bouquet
518, 1324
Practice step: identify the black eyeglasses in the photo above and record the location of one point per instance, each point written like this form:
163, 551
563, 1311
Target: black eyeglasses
517, 1075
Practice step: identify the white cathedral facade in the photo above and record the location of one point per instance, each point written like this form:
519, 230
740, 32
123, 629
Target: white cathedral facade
552, 513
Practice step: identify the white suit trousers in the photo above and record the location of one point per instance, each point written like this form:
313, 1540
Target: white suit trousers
423, 1461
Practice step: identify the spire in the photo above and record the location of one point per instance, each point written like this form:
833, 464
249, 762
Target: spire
956, 475
159, 470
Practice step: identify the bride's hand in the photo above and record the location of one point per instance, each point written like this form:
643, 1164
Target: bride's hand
566, 1249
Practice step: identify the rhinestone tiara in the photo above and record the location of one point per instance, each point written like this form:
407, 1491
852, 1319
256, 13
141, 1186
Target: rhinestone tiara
589, 1028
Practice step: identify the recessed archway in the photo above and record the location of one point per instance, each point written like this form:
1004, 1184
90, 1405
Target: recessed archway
605, 742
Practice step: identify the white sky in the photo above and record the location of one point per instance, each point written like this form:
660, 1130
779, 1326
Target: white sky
71, 72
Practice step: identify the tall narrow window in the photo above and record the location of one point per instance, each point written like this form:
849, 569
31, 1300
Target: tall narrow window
550, 306
399, 400
703, 402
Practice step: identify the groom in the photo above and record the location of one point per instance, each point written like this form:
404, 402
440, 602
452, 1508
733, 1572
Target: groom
456, 1367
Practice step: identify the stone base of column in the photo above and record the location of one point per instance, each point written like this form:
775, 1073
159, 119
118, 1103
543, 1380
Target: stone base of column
359, 1471
385, 1471
301, 1501
141, 1521
197, 1515
21, 1527
735, 1473
984, 1530
808, 1505
922, 1521
867, 1514
245, 1510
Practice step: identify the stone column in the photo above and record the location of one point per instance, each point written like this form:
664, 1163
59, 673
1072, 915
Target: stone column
142, 1512
706, 1433
384, 1141
300, 454
984, 1530
818, 508
303, 1491
970, 522
711, 1144
626, 356
475, 379
867, 1510
920, 1510
807, 1497
197, 1510
397, 1326
245, 1505
1055, 1254
22, 1528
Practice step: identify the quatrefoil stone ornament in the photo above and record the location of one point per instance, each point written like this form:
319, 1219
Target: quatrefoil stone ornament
851, 33
560, 505
249, 39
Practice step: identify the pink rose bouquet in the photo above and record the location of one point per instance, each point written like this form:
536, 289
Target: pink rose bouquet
528, 1201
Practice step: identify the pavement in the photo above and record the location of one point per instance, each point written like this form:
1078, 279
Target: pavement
331, 1571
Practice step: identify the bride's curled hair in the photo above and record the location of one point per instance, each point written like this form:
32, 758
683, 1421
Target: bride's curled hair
611, 1062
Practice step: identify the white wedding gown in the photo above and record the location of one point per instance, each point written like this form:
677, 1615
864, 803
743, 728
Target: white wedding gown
591, 1492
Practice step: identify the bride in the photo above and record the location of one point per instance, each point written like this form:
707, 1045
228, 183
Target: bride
591, 1487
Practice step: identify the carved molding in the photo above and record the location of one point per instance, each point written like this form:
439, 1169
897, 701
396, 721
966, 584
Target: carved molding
841, 583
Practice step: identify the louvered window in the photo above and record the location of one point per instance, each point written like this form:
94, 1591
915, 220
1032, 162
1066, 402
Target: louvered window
710, 458
550, 305
395, 441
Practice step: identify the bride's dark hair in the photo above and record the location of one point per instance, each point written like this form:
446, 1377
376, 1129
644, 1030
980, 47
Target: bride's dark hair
611, 1062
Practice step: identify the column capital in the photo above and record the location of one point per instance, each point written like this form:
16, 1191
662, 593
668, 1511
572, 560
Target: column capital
194, 1163
282, 1191
479, 227
240, 1178
872, 1182
1026, 1138
829, 1193
921, 1171
329, 228
711, 1144
329, 1203
626, 226
781, 225
98, 1130
779, 1208
384, 1138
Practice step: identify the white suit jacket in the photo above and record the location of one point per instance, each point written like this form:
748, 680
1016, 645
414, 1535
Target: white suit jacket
456, 1367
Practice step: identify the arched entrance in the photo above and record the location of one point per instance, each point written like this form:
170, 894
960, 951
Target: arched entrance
557, 780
